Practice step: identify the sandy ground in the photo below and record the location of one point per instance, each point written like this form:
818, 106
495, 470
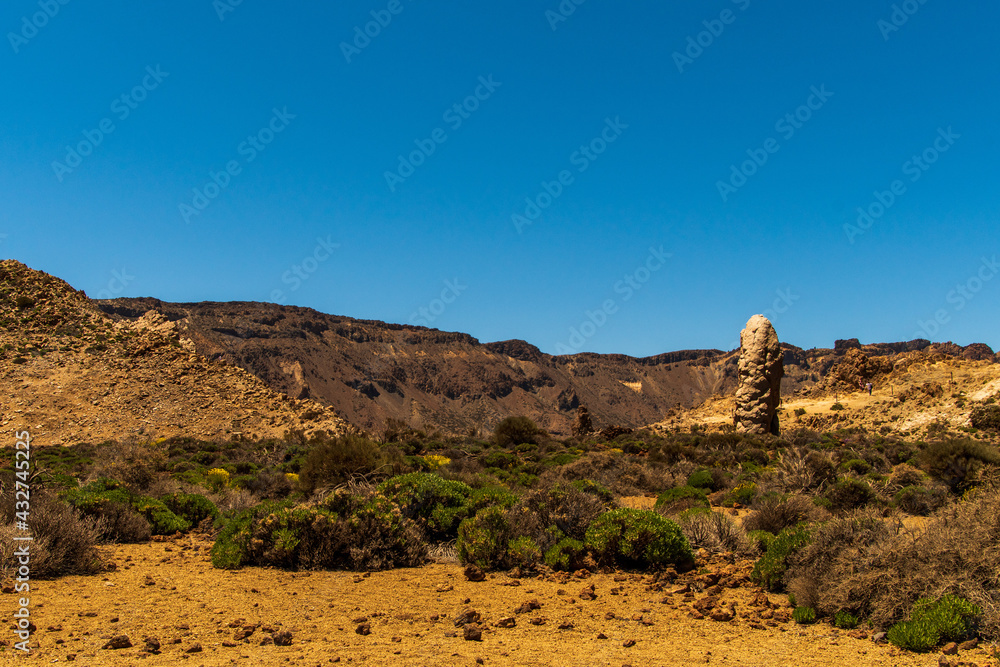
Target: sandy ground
169, 590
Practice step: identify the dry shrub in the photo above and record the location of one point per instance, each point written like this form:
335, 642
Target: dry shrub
905, 475
234, 499
622, 475
715, 531
799, 470
774, 513
563, 506
119, 522
135, 463
878, 571
64, 542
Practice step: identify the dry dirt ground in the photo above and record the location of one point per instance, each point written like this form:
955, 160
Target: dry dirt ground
169, 590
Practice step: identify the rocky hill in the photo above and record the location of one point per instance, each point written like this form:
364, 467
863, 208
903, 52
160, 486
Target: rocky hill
70, 373
372, 371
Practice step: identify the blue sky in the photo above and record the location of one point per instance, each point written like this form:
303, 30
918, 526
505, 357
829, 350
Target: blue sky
587, 177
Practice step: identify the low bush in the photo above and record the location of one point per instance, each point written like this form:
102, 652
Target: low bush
715, 531
774, 513
514, 431
566, 554
436, 504
333, 462
849, 494
491, 496
680, 498
638, 538
523, 552
957, 462
357, 530
986, 417
947, 619
191, 507
64, 541
918, 500
804, 615
769, 570
845, 620
106, 496
484, 539
549, 514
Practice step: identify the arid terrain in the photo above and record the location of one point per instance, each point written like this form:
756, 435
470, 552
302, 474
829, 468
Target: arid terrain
170, 592
228, 377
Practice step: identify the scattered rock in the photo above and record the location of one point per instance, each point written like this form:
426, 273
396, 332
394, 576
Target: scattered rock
474, 573
722, 614
968, 645
118, 642
878, 637
364, 629
601, 635
588, 593
507, 622
628, 643
152, 645
194, 648
472, 633
525, 607
466, 617
538, 620
283, 638
951, 648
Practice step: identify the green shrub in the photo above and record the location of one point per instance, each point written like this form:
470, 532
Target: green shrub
436, 504
804, 615
595, 489
850, 494
638, 538
191, 507
502, 460
919, 636
799, 412
845, 620
523, 552
837, 406
334, 462
23, 302
858, 466
742, 494
105, 496
761, 539
515, 431
363, 531
681, 497
947, 619
700, 479
769, 570
917, 500
957, 462
491, 496
483, 540
567, 554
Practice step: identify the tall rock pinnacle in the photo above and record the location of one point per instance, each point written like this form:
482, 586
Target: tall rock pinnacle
761, 367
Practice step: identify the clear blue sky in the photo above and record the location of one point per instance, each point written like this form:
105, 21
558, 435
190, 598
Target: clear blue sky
635, 129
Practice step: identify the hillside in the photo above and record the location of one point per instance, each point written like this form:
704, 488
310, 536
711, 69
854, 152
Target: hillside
371, 371
72, 374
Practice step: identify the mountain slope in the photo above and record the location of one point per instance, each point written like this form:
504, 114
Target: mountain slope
69, 373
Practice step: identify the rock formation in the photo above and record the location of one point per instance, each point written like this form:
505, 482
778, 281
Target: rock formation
761, 367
